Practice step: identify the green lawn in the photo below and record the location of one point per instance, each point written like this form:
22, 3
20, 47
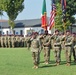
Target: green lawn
18, 61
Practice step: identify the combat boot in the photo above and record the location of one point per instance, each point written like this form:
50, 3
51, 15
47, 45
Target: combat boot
68, 64
34, 67
47, 63
57, 63
75, 61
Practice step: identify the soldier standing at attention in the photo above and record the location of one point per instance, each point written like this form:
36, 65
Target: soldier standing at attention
28, 42
57, 47
68, 47
9, 41
46, 47
2, 41
74, 45
13, 41
35, 51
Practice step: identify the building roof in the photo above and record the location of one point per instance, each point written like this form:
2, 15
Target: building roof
22, 23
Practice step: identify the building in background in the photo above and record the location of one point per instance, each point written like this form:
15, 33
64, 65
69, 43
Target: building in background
27, 27
22, 27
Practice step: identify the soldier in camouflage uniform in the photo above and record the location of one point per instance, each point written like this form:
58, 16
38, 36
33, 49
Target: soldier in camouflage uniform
13, 41
57, 47
35, 51
9, 41
74, 46
6, 41
46, 47
2, 41
41, 41
28, 42
68, 47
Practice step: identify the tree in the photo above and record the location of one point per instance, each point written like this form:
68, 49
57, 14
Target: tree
12, 8
70, 9
58, 19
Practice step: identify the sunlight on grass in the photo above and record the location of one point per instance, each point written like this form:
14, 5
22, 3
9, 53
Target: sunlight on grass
18, 61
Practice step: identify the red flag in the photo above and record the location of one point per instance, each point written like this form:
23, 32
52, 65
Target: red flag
53, 13
44, 16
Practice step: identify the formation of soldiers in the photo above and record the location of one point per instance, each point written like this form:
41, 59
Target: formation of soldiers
53, 42
11, 41
46, 42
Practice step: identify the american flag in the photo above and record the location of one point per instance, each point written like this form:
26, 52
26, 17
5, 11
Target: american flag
53, 13
63, 2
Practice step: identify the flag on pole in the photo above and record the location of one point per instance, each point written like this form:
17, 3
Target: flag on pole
63, 3
53, 14
44, 16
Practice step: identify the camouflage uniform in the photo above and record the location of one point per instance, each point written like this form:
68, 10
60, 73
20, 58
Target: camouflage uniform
57, 48
46, 48
35, 51
28, 42
17, 41
9, 41
41, 41
6, 41
68, 48
2, 41
75, 52
13, 41
74, 48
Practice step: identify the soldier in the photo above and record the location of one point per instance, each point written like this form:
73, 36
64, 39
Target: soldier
9, 41
57, 47
6, 41
74, 44
13, 41
17, 41
28, 42
68, 47
75, 51
46, 47
2, 41
35, 51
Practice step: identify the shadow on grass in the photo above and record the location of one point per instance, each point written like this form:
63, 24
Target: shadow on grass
52, 64
46, 66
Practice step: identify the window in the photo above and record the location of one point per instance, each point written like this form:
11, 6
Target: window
6, 32
21, 32
14, 32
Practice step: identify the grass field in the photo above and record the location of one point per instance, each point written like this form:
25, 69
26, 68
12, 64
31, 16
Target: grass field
18, 61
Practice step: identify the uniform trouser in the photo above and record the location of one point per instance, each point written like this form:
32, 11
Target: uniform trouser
57, 52
13, 44
68, 53
36, 57
74, 53
46, 54
28, 46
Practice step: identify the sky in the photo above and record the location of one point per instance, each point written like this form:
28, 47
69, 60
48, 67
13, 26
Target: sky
32, 10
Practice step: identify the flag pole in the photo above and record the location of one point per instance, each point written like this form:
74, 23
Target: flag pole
54, 26
64, 27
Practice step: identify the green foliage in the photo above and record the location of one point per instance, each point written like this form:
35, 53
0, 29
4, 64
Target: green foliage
11, 23
70, 12
58, 18
12, 8
70, 9
1, 12
18, 61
